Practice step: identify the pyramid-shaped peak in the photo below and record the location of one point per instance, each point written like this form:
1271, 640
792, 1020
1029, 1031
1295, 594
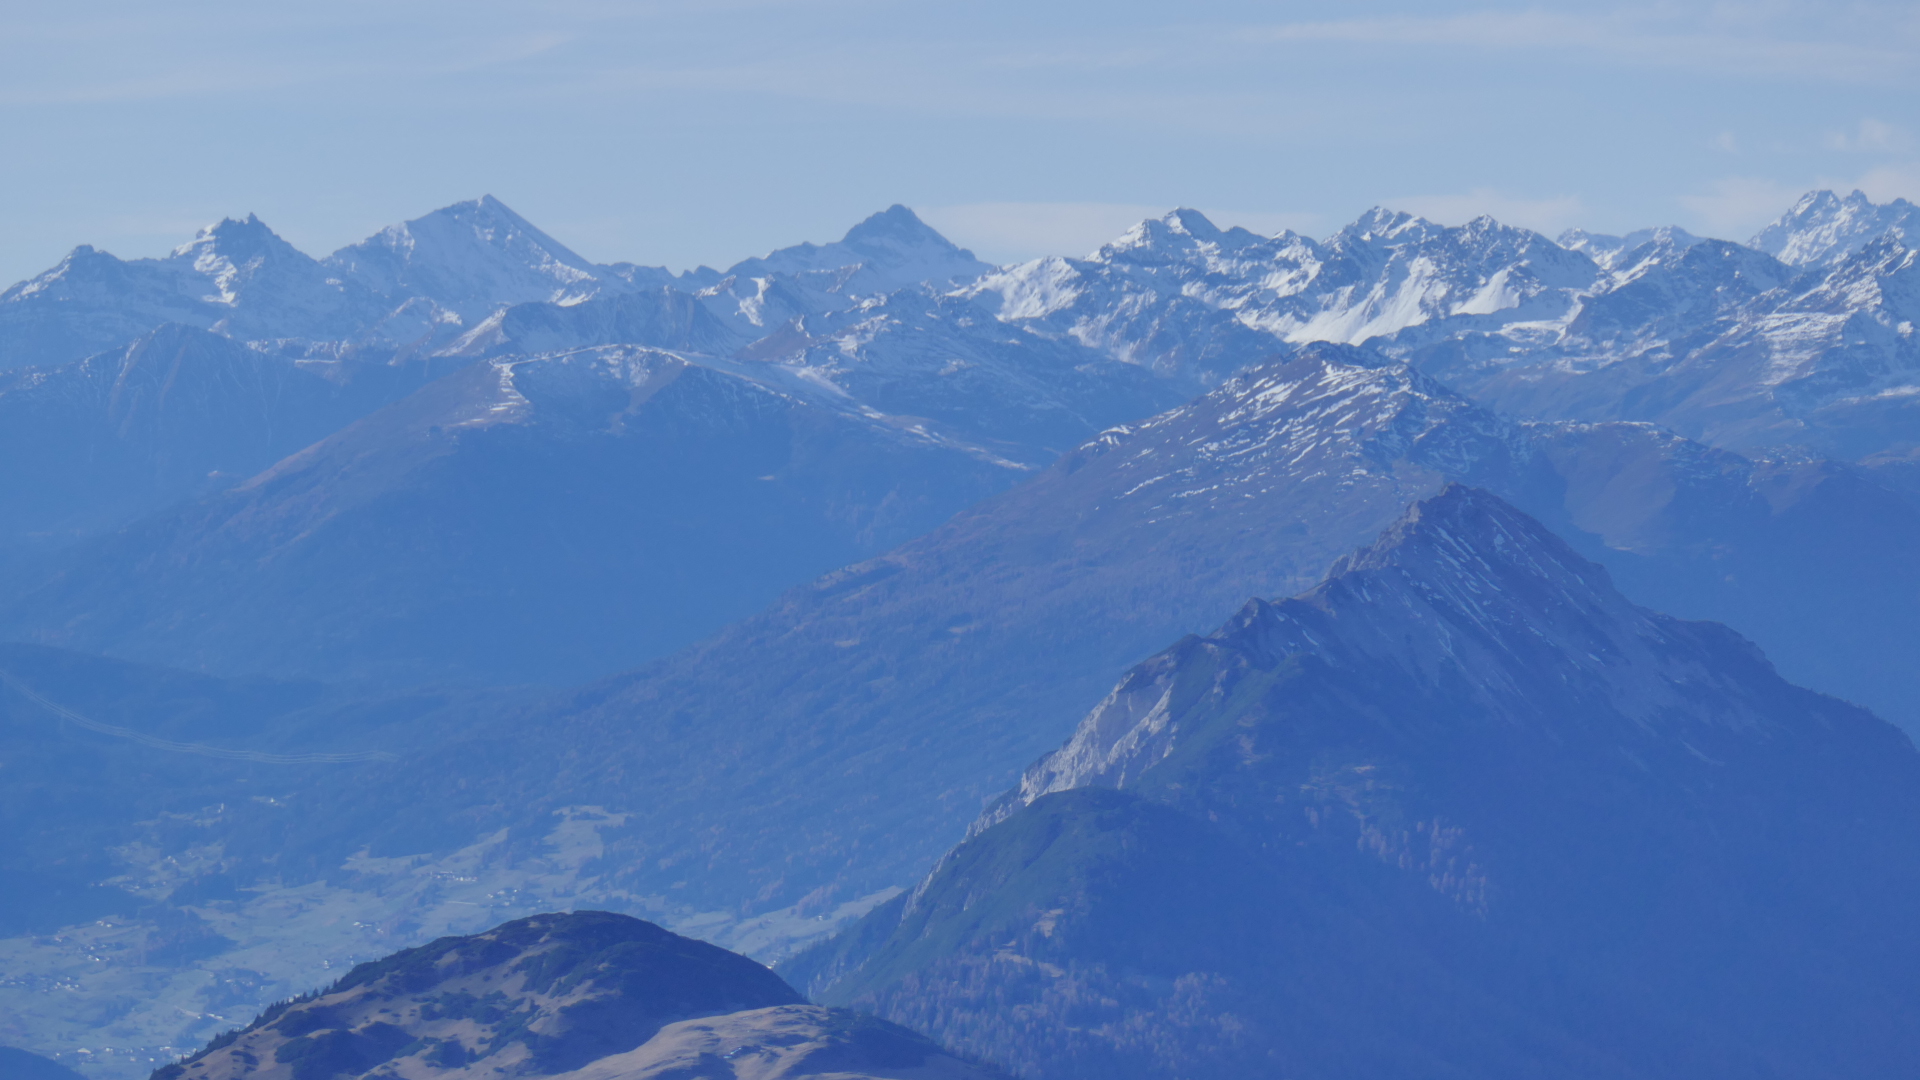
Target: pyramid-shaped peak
896, 225
493, 220
470, 257
887, 251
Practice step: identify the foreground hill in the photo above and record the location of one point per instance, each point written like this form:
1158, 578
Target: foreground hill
1461, 810
587, 996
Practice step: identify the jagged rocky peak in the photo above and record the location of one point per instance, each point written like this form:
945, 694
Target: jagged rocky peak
1381, 224
1823, 227
581, 995
239, 256
237, 240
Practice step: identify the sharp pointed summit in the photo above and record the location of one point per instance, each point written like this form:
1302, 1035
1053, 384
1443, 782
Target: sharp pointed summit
889, 250
471, 258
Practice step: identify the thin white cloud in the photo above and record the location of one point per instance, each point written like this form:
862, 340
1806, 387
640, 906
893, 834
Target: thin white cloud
1888, 182
1006, 232
1738, 206
1549, 215
1870, 136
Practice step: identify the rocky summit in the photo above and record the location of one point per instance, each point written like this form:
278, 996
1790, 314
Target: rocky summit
586, 996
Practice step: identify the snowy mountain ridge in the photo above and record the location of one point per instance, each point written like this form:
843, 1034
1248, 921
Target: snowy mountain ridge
1721, 341
1803, 338
1823, 228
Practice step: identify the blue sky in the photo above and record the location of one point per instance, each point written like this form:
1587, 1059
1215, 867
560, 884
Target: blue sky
679, 133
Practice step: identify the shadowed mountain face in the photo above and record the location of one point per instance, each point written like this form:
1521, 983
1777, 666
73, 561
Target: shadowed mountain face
521, 520
178, 412
1461, 810
586, 995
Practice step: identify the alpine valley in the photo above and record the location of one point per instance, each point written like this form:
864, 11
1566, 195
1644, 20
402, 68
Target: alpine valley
431, 659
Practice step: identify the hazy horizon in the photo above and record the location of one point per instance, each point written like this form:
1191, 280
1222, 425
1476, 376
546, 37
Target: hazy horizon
679, 134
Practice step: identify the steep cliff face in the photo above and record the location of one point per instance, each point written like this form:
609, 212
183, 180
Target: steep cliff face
1461, 810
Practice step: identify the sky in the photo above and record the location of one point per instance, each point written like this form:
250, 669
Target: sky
681, 133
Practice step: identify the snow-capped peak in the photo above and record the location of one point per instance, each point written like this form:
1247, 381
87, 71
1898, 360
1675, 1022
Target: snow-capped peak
1612, 252
1381, 225
1823, 228
895, 228
890, 250
1178, 234
472, 257
232, 250
235, 238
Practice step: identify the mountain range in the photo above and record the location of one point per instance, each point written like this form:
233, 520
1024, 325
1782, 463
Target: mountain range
194, 480
736, 594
